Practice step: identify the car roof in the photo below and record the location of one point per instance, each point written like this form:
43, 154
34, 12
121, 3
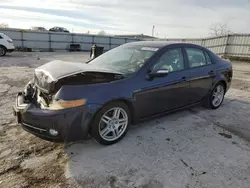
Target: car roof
59, 27
158, 44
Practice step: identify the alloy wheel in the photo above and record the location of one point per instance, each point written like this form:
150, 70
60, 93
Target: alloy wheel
113, 123
218, 95
2, 51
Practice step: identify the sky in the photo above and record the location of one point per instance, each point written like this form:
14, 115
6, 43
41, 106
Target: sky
171, 18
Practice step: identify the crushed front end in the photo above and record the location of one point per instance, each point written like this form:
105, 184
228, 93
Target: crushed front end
49, 108
36, 113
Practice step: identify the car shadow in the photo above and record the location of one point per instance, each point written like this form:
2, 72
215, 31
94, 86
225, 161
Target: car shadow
165, 151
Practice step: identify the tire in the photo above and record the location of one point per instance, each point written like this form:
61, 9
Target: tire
209, 100
105, 122
3, 51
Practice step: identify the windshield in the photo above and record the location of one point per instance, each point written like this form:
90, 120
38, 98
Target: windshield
125, 59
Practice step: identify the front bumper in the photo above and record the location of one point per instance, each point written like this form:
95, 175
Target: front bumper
71, 124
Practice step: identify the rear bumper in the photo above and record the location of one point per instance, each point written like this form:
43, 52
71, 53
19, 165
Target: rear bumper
71, 124
228, 86
10, 50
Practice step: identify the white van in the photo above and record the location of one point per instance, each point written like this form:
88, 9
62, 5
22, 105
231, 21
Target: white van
6, 44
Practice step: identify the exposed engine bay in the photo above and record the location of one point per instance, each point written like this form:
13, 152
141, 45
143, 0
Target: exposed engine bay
41, 89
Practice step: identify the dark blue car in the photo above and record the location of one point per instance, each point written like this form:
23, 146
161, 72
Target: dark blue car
128, 84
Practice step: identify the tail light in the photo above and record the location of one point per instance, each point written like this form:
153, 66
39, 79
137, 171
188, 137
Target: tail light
10, 41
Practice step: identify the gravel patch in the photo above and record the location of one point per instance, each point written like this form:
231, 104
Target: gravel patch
192, 148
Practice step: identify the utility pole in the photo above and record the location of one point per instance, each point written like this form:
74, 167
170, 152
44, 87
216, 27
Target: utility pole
153, 30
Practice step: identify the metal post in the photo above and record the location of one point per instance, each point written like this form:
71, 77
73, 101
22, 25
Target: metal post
226, 46
50, 48
109, 42
153, 30
72, 36
203, 42
22, 38
93, 40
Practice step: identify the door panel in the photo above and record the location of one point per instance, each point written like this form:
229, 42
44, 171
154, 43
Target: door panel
161, 94
201, 81
201, 73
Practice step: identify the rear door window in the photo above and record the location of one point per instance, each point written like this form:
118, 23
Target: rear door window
196, 57
208, 58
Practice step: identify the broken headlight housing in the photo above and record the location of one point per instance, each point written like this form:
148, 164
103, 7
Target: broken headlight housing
64, 104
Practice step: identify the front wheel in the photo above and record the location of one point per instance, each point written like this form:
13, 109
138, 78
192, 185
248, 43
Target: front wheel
111, 123
216, 97
2, 51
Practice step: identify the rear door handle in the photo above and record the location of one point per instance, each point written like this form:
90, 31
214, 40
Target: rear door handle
211, 73
183, 79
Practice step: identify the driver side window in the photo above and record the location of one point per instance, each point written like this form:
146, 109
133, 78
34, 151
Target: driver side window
172, 60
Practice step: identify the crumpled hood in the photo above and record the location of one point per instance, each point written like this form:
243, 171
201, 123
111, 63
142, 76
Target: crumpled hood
61, 69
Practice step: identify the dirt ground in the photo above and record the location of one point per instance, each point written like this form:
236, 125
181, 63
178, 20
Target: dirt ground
194, 148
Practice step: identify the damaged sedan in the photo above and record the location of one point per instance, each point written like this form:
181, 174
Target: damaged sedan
68, 101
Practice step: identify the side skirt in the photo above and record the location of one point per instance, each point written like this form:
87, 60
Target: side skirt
168, 112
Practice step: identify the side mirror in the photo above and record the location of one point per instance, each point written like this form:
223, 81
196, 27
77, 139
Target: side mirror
158, 73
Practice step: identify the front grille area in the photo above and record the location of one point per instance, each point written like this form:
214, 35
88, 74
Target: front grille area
32, 128
42, 133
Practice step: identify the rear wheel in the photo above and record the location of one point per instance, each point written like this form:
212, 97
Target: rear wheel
3, 51
111, 123
216, 97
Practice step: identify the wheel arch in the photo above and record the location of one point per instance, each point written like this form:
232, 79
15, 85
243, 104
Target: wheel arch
123, 100
3, 46
222, 82
206, 100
